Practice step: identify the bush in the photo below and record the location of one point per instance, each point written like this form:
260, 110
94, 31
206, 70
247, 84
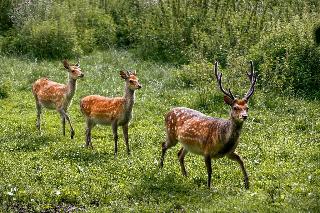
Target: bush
42, 29
11, 43
194, 74
47, 29
50, 39
99, 28
288, 60
5, 21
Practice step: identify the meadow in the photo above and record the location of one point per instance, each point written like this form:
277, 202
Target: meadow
280, 145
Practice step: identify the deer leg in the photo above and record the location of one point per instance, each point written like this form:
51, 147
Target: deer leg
181, 154
209, 169
63, 121
65, 115
165, 146
126, 137
164, 150
88, 133
38, 107
115, 137
235, 157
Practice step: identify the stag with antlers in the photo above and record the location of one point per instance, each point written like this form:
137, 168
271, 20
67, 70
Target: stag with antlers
207, 136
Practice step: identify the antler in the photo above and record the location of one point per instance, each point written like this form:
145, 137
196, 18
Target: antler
219, 76
253, 78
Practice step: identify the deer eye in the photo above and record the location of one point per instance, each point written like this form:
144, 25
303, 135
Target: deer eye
235, 108
131, 81
72, 71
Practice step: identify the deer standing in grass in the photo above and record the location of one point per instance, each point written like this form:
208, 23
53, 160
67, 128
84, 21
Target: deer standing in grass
207, 136
111, 111
52, 95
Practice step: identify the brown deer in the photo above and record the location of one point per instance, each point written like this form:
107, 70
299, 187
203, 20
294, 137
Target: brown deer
52, 95
111, 111
207, 136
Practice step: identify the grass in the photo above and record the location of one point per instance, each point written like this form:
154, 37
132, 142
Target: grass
47, 172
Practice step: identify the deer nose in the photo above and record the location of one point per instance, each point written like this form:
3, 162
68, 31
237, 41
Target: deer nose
244, 117
139, 86
81, 75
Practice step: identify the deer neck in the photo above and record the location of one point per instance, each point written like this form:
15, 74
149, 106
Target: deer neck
129, 99
71, 88
235, 128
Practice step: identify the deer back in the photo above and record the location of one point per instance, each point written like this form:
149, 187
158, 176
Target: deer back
101, 109
49, 93
197, 132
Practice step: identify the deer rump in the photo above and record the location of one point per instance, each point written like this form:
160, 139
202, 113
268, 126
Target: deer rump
198, 133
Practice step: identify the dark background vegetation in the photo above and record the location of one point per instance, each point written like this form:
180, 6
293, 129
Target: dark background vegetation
279, 36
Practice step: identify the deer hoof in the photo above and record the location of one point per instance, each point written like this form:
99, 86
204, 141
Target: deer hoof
72, 134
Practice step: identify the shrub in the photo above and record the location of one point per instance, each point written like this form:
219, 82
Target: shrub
288, 60
11, 43
50, 39
42, 29
5, 21
99, 28
47, 29
194, 74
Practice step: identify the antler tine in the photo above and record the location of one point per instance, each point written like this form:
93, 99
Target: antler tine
250, 75
219, 77
253, 78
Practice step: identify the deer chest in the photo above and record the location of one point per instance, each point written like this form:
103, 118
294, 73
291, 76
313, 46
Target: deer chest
228, 147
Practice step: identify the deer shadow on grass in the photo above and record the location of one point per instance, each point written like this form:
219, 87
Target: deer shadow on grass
83, 155
24, 139
171, 188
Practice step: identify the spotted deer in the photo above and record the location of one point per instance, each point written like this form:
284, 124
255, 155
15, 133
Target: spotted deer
111, 111
207, 136
53, 95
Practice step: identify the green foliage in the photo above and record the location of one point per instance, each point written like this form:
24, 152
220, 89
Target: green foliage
194, 74
50, 39
317, 34
288, 60
99, 28
5, 21
47, 29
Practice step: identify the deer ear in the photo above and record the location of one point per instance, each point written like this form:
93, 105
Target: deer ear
228, 100
78, 63
123, 74
66, 64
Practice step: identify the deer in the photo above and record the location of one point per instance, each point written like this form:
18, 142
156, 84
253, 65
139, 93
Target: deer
115, 111
210, 137
52, 95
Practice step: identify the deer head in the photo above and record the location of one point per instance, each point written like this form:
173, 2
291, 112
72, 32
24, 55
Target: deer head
239, 107
131, 79
74, 70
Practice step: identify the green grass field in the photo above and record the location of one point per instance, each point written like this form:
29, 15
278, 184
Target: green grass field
280, 145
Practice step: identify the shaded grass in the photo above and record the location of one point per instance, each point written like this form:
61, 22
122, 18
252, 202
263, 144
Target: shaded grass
48, 172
